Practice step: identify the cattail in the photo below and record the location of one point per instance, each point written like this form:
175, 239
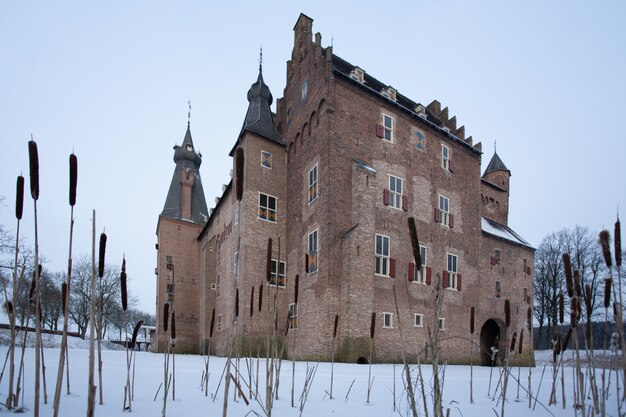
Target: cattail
415, 244
335, 328
136, 329
102, 250
615, 310
33, 159
8, 307
173, 326
507, 312
529, 317
373, 325
588, 298
269, 260
19, 197
73, 178
288, 320
567, 267
561, 308
166, 316
260, 297
472, 320
236, 303
212, 324
239, 164
617, 240
252, 302
513, 340
31, 292
521, 342
123, 286
607, 292
295, 291
566, 341
577, 287
64, 297
606, 249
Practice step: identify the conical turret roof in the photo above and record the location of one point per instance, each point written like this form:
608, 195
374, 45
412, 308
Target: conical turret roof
496, 164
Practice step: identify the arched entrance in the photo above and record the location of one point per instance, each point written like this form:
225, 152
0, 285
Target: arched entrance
488, 334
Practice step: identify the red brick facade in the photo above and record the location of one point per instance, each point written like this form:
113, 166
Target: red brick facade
353, 177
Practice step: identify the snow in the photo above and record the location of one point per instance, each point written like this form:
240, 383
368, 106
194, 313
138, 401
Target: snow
502, 231
191, 401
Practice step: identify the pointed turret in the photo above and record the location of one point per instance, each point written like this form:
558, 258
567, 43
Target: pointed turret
496, 164
259, 119
185, 198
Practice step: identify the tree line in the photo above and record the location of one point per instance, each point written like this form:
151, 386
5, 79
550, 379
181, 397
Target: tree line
108, 293
549, 280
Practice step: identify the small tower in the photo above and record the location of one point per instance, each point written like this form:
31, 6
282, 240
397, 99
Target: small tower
178, 253
495, 191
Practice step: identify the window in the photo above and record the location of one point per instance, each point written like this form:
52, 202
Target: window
237, 216
311, 255
304, 90
420, 141
388, 320
266, 159
420, 274
293, 316
498, 289
218, 285
419, 320
281, 273
170, 292
395, 192
313, 183
219, 322
236, 263
445, 157
444, 210
442, 324
267, 207
169, 262
382, 255
497, 251
452, 272
387, 128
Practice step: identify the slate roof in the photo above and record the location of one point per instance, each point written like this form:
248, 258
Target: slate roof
259, 119
496, 164
186, 158
373, 86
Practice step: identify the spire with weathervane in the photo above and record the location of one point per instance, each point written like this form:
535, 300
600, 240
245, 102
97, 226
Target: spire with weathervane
185, 198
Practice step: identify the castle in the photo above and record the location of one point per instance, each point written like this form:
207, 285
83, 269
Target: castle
331, 179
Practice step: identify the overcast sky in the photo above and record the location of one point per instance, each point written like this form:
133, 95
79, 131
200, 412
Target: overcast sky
111, 81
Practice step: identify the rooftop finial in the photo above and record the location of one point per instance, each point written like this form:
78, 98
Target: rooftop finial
189, 113
495, 146
261, 59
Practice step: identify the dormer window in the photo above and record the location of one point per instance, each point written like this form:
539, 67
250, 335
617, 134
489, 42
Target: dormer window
189, 147
421, 111
357, 74
389, 93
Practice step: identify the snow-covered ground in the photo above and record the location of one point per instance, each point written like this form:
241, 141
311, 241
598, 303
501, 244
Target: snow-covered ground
349, 390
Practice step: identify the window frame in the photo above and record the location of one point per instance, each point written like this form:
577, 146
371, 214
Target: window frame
273, 266
316, 241
445, 157
236, 264
267, 207
313, 184
387, 130
218, 285
498, 289
452, 261
383, 260
441, 323
395, 197
263, 153
293, 318
387, 315
421, 320
219, 323
445, 211
419, 276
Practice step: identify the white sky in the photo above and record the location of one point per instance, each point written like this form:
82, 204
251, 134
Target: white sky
111, 80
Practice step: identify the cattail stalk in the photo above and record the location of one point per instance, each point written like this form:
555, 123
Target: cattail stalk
369, 372
332, 358
100, 302
33, 158
128, 388
19, 210
91, 397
